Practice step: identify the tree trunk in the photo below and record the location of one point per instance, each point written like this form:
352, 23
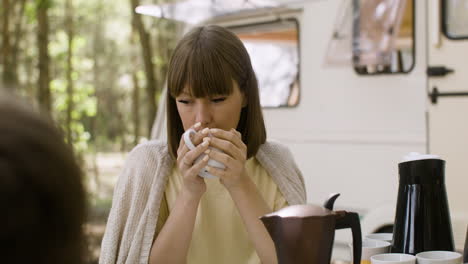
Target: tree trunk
7, 76
136, 87
16, 43
43, 41
97, 53
136, 108
149, 67
70, 32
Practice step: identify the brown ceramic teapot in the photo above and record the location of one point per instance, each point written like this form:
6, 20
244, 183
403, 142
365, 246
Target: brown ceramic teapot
305, 233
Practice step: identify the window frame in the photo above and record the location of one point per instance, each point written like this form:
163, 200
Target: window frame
299, 66
413, 53
443, 25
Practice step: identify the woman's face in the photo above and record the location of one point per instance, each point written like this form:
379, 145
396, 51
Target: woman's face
218, 111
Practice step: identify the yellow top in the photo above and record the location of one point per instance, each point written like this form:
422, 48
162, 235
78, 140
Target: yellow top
219, 235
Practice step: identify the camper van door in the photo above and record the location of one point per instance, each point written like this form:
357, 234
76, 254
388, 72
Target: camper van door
448, 102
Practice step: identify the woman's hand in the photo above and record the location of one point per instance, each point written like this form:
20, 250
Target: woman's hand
188, 165
234, 157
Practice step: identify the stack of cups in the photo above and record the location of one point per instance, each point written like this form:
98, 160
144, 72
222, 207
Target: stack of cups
393, 258
374, 244
427, 257
439, 257
376, 248
375, 254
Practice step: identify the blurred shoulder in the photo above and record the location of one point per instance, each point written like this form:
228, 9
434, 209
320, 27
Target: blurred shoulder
151, 150
144, 162
276, 150
278, 160
151, 146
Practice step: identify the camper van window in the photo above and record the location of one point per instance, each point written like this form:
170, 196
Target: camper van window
274, 52
455, 19
383, 36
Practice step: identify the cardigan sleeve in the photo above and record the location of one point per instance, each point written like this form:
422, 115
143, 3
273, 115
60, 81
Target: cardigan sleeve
280, 163
297, 179
130, 214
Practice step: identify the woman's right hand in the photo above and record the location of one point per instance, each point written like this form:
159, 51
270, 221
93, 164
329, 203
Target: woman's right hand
188, 165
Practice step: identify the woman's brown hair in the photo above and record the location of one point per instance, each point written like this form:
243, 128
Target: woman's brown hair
207, 60
42, 195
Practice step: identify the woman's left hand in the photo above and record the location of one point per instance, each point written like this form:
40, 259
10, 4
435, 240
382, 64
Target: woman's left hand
234, 156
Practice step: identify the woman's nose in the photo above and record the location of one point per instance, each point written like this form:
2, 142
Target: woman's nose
203, 114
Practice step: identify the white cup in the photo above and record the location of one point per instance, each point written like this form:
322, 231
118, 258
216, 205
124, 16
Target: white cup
381, 236
439, 257
371, 247
393, 258
213, 163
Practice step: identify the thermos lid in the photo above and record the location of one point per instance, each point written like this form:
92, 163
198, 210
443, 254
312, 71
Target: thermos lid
418, 168
418, 156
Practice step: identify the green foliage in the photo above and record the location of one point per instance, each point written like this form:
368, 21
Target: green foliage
44, 3
104, 62
106, 56
30, 12
85, 107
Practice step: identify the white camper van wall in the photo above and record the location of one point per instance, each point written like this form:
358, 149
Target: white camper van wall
383, 36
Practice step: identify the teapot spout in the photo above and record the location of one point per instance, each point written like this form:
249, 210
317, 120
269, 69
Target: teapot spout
331, 201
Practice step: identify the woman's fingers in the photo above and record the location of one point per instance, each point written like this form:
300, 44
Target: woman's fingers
220, 173
196, 139
228, 148
187, 162
182, 148
223, 158
198, 166
232, 153
232, 136
190, 157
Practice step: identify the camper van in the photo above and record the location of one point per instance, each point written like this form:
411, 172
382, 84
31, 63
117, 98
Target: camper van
350, 103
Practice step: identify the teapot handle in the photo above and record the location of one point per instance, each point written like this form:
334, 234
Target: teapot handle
351, 220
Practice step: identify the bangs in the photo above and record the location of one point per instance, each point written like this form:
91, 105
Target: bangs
204, 73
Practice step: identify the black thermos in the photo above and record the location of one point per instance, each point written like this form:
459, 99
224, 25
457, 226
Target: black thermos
422, 219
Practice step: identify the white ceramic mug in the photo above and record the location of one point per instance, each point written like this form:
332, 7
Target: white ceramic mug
371, 247
213, 163
393, 258
439, 257
381, 236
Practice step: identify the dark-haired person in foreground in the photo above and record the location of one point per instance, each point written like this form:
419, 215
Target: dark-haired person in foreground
42, 197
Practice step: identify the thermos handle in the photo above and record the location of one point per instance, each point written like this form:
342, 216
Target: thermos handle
351, 220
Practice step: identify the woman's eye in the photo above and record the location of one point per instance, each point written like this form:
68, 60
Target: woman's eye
218, 100
183, 101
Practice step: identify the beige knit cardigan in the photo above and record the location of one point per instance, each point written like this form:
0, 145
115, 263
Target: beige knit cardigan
137, 197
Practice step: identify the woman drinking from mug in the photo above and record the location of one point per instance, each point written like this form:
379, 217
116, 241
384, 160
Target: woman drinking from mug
163, 211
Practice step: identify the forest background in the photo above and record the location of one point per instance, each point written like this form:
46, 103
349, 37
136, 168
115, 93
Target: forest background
98, 69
